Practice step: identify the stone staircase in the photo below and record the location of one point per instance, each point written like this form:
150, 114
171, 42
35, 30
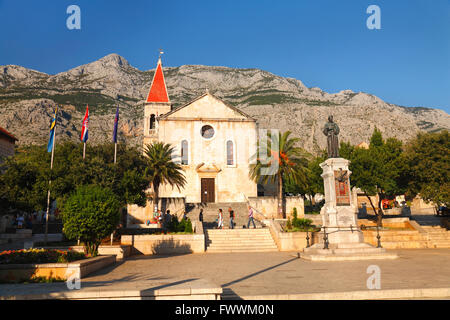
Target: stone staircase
211, 211
437, 237
397, 239
430, 237
239, 240
426, 220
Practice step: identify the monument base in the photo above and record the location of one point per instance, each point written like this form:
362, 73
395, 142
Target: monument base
339, 220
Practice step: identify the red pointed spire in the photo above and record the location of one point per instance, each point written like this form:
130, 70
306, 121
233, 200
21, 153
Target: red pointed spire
158, 90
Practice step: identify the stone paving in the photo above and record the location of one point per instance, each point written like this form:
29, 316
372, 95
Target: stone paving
267, 274
274, 273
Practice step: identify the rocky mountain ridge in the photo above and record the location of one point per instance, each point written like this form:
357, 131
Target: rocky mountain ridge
27, 98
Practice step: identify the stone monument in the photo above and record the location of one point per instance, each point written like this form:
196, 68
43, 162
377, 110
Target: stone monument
340, 237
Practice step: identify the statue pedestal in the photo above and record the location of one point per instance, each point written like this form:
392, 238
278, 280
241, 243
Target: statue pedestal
339, 212
339, 220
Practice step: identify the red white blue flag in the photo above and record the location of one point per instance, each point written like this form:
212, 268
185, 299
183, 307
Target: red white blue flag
84, 128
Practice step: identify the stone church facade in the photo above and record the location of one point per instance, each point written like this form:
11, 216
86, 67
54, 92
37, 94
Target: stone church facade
213, 143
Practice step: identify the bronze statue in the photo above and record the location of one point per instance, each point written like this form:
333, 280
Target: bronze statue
331, 130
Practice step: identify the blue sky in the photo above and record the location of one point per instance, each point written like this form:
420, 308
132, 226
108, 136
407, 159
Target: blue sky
322, 43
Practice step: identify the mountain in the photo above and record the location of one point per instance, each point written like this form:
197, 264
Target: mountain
27, 99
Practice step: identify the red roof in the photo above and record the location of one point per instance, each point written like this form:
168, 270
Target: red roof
158, 90
8, 134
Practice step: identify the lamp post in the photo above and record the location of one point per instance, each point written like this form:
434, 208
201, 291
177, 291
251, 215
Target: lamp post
378, 237
325, 238
307, 239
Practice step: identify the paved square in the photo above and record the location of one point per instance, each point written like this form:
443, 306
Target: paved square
270, 275
275, 273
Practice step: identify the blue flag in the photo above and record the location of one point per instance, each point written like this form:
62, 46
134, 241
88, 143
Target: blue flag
116, 123
52, 132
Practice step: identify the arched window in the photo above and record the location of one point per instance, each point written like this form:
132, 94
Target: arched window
152, 122
184, 152
230, 153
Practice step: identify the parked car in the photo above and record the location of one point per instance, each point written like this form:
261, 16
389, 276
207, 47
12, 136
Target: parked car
443, 211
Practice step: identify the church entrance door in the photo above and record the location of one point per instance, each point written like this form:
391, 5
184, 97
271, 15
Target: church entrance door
207, 189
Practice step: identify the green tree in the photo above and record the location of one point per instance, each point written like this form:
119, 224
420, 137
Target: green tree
24, 184
313, 184
161, 168
379, 170
428, 156
285, 164
90, 214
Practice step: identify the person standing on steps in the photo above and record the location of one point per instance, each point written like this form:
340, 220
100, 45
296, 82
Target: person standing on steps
250, 218
220, 220
231, 218
200, 215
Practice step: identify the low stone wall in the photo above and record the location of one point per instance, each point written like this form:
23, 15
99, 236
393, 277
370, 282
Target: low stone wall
268, 206
120, 251
19, 235
289, 241
165, 244
80, 269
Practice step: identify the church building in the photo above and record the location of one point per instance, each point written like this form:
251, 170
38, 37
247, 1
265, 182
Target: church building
213, 143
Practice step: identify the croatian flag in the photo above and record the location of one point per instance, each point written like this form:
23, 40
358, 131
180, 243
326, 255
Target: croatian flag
116, 122
84, 128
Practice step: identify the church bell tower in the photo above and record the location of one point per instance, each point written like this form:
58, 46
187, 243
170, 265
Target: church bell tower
156, 104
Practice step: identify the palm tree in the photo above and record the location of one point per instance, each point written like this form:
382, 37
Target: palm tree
284, 163
161, 168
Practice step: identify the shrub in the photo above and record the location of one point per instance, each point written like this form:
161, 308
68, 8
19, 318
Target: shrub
302, 223
289, 224
180, 226
91, 214
39, 256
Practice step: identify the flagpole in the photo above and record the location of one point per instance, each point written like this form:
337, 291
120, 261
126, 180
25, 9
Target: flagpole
50, 181
84, 150
115, 155
115, 152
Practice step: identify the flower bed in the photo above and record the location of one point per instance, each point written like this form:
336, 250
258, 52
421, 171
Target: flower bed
39, 256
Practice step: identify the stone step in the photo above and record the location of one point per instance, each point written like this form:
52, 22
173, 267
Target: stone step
440, 245
240, 240
446, 241
240, 250
239, 243
225, 247
439, 234
439, 237
238, 232
395, 232
401, 244
396, 238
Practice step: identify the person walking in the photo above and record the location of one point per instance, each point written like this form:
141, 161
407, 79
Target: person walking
200, 215
231, 218
250, 218
220, 220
